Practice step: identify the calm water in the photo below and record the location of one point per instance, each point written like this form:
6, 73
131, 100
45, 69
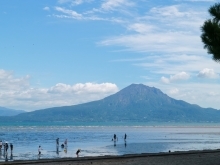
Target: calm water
97, 140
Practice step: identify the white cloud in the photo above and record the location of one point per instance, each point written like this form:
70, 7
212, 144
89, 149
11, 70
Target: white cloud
169, 11
7, 80
180, 76
70, 13
113, 4
77, 2
201, 93
207, 73
17, 93
177, 77
165, 80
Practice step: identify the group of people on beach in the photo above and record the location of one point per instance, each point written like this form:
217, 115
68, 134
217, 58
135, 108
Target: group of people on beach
5, 146
115, 138
64, 145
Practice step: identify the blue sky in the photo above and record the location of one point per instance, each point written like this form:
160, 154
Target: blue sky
66, 52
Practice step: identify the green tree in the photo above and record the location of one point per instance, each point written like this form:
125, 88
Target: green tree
211, 32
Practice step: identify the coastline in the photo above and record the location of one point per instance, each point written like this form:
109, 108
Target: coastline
202, 157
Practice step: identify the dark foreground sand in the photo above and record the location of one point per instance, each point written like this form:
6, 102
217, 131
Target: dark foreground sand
206, 157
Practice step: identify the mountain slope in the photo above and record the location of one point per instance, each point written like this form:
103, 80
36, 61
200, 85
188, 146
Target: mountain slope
136, 102
9, 112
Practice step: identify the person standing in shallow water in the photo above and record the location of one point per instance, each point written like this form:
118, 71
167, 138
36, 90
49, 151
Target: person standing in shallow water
11, 146
115, 137
125, 137
39, 150
6, 147
57, 141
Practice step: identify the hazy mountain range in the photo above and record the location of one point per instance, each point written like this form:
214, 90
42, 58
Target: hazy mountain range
9, 112
135, 103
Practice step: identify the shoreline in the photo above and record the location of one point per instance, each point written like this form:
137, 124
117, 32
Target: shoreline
197, 157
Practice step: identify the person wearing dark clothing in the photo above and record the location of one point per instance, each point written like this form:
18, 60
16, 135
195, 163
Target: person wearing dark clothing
6, 147
114, 137
125, 137
77, 152
11, 146
39, 150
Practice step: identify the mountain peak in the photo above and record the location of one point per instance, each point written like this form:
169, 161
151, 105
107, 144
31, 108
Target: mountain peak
135, 103
137, 93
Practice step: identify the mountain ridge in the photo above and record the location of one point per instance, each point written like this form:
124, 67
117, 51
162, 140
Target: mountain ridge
9, 112
136, 102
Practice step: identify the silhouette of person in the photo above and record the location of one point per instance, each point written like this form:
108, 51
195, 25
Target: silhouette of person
6, 147
11, 146
39, 150
125, 137
115, 137
77, 152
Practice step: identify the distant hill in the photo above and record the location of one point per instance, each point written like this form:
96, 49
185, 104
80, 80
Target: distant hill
135, 103
9, 112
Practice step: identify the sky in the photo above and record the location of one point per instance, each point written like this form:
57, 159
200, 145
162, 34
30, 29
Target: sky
68, 52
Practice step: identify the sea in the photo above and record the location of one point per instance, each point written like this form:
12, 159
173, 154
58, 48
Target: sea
96, 139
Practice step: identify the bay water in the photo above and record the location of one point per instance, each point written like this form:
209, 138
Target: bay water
96, 140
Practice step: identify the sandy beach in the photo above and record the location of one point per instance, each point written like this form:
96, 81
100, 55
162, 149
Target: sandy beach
205, 157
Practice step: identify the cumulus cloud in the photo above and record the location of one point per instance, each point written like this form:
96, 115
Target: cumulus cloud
208, 73
8, 81
165, 80
177, 77
17, 93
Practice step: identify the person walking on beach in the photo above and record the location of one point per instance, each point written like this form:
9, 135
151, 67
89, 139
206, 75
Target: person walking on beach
0, 144
11, 147
77, 152
39, 150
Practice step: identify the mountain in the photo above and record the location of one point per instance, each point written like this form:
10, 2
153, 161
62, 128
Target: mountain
135, 103
9, 112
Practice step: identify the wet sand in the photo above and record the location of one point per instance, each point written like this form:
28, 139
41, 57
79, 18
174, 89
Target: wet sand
205, 157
